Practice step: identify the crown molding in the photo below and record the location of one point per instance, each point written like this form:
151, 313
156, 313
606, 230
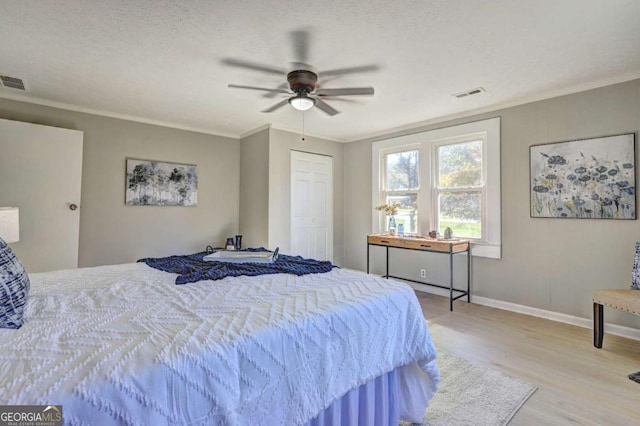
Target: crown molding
103, 113
372, 137
397, 131
254, 131
311, 135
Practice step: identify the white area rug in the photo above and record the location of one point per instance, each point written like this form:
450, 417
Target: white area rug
477, 395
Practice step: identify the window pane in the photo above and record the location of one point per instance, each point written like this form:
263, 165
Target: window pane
460, 164
402, 171
460, 211
407, 213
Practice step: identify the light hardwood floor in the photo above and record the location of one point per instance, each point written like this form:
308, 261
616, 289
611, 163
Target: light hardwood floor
577, 383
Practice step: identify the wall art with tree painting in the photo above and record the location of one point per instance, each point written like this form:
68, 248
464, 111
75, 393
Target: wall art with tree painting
584, 179
153, 183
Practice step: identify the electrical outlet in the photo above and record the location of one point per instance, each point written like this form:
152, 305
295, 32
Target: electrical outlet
423, 273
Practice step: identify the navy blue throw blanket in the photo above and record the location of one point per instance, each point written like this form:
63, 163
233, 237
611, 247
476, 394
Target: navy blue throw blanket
192, 268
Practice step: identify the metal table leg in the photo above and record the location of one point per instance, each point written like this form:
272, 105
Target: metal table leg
450, 281
368, 247
387, 274
469, 275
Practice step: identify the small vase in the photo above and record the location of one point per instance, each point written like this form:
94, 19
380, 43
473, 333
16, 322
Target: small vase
448, 233
392, 225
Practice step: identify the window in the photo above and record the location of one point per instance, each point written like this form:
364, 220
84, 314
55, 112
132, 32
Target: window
447, 177
459, 188
401, 185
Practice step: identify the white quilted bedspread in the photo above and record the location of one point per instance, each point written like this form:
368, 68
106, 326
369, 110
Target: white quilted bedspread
124, 345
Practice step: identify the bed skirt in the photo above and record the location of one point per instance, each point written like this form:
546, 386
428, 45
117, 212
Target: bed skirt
403, 393
372, 404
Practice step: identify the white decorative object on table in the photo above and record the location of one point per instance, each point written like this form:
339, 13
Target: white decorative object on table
448, 233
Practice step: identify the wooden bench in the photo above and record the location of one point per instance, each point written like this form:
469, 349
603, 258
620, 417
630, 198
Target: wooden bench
624, 299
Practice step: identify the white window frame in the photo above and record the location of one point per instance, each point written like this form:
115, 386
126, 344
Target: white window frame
490, 244
436, 189
383, 177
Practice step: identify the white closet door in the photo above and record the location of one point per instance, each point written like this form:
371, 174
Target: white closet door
41, 173
311, 205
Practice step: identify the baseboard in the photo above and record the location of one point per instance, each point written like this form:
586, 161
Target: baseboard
618, 330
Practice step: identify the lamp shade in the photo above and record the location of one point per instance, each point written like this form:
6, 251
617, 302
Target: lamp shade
9, 224
302, 102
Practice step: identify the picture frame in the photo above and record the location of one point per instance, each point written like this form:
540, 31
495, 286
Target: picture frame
158, 183
592, 178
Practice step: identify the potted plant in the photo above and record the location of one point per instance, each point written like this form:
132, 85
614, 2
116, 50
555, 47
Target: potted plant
391, 210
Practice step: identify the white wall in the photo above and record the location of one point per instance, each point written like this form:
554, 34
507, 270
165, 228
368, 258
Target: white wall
550, 264
254, 189
111, 232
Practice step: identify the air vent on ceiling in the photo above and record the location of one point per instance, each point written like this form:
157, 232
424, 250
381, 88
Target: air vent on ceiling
12, 82
469, 92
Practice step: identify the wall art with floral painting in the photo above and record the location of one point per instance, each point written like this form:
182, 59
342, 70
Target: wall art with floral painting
584, 179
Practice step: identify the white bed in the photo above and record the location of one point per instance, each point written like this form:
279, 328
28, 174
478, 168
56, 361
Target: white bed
124, 345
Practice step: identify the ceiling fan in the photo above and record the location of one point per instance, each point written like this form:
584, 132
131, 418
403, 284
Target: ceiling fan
304, 91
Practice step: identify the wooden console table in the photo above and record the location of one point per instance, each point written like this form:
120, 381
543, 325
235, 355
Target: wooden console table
449, 248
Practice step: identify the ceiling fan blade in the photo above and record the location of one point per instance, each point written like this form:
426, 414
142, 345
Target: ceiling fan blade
253, 66
350, 70
325, 107
300, 40
273, 94
348, 100
276, 106
346, 91
264, 89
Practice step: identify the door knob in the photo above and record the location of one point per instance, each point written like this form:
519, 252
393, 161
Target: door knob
73, 206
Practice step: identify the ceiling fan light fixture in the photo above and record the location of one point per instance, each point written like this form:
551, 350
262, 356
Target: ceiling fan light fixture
302, 103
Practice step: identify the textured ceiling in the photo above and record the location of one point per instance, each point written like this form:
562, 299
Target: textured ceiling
162, 61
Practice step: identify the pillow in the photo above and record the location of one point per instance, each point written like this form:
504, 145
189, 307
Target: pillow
14, 287
635, 272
